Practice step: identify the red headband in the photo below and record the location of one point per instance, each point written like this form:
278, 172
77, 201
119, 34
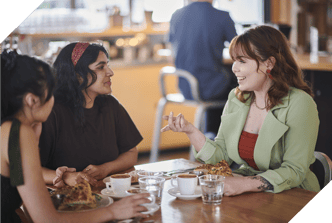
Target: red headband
78, 52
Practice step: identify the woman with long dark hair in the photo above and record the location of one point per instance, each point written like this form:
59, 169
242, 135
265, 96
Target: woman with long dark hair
89, 133
270, 123
26, 101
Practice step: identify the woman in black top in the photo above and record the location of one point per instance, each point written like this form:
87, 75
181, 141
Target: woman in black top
26, 101
88, 129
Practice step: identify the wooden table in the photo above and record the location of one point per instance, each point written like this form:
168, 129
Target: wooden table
249, 207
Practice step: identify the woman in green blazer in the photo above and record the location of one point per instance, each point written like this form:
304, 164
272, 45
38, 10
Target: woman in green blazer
272, 105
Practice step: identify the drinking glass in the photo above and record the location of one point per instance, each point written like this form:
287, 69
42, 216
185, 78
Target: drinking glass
146, 173
212, 187
154, 185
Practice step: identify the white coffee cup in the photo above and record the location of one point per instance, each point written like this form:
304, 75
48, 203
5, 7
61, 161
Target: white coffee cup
119, 184
186, 183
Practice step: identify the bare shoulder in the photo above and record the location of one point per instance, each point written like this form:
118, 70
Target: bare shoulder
27, 140
4, 129
6, 126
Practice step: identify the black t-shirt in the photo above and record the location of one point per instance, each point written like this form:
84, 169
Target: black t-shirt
108, 132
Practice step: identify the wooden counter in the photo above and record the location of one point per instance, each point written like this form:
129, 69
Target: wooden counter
324, 63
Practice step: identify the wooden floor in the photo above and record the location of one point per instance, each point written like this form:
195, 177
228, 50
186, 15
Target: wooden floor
164, 155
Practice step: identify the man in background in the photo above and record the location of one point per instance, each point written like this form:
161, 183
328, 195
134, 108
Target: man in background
197, 35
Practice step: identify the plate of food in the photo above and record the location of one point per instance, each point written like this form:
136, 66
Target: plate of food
222, 168
78, 198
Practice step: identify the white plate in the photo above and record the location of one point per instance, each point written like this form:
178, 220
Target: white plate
151, 208
103, 202
110, 193
176, 193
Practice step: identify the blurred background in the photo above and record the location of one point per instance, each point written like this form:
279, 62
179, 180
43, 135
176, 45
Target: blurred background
135, 34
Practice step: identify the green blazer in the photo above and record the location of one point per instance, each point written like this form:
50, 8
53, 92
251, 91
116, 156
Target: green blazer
285, 145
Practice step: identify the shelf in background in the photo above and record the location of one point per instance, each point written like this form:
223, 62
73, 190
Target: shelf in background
113, 31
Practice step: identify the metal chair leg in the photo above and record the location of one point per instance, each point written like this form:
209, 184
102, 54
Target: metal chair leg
200, 111
191, 153
156, 131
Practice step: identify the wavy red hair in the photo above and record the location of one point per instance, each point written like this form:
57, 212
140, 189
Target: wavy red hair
261, 44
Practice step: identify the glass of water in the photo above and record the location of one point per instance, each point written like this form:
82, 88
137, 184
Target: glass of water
212, 187
146, 173
154, 185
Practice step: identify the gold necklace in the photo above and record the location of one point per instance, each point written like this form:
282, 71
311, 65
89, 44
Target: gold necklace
259, 107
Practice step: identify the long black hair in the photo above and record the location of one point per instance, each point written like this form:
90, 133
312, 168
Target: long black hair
21, 74
73, 80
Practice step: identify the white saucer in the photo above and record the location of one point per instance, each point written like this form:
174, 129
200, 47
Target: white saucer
176, 193
110, 193
151, 208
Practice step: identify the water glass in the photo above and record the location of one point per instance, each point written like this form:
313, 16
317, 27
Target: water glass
212, 187
146, 173
154, 185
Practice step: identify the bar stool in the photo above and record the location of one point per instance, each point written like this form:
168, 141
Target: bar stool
178, 98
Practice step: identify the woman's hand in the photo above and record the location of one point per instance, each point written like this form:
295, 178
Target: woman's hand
233, 186
177, 124
130, 206
180, 124
97, 172
72, 178
58, 180
238, 185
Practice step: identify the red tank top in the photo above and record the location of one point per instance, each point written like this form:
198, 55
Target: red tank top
247, 144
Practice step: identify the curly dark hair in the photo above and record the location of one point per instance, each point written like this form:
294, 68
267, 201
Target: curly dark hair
21, 74
73, 80
261, 43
